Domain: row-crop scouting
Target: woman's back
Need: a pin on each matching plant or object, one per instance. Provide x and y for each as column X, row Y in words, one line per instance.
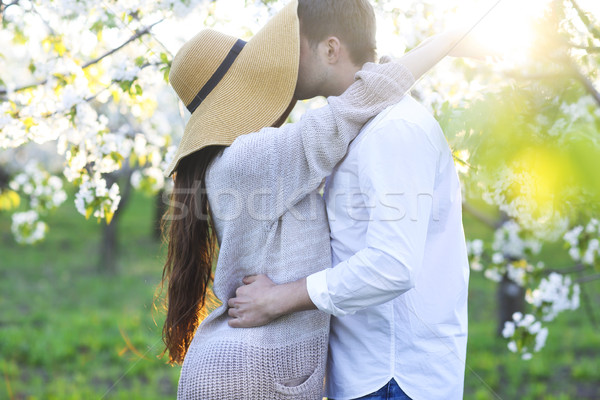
column 284, row 359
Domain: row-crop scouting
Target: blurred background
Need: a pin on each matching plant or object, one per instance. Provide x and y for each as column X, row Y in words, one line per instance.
column 88, row 123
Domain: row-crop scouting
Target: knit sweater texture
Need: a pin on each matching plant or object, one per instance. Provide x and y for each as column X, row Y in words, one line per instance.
column 270, row 219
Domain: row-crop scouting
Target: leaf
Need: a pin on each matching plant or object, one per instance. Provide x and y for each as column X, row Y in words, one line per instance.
column 72, row 114
column 60, row 48
column 125, row 85
column 54, row 42
column 9, row 199
column 118, row 158
column 109, row 215
column 19, row 36
column 97, row 27
column 29, row 122
column 88, row 212
column 116, row 94
column 164, row 58
column 62, row 79
column 166, row 70
column 142, row 160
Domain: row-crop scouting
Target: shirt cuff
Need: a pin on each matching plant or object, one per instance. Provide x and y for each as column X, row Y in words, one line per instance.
column 316, row 285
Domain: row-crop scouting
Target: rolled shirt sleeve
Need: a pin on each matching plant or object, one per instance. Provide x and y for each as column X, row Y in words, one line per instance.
column 397, row 172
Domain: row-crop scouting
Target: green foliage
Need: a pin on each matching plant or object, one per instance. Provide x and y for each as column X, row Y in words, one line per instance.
column 525, row 126
column 166, row 68
column 19, row 37
column 131, row 87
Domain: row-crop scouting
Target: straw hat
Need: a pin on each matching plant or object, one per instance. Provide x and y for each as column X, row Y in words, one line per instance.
column 233, row 88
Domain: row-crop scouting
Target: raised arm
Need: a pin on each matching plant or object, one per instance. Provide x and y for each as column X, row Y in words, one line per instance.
column 283, row 165
column 455, row 43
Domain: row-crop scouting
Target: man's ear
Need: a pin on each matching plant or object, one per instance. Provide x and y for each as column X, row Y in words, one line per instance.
column 334, row 49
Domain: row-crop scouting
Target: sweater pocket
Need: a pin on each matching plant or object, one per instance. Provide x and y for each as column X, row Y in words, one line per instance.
column 304, row 385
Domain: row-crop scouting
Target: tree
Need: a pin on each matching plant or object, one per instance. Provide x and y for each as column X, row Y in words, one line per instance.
column 92, row 79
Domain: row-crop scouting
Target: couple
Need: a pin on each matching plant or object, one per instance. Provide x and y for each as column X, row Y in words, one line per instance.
column 369, row 280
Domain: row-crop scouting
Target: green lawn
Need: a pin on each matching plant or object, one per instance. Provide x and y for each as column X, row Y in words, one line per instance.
column 68, row 332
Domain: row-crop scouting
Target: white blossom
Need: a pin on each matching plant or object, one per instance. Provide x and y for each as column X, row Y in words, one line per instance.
column 584, row 242
column 493, row 274
column 27, row 228
column 497, row 258
column 555, row 294
column 508, row 241
column 475, row 247
column 527, row 356
column 540, row 339
column 94, row 199
column 44, row 191
column 517, row 316
column 509, row 329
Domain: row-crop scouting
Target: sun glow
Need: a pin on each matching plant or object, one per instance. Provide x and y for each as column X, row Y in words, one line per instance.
column 506, row 27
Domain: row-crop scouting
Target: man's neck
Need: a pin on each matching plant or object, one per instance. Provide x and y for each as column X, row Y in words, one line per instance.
column 345, row 78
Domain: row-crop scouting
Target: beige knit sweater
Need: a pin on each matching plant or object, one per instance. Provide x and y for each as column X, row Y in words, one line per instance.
column 269, row 219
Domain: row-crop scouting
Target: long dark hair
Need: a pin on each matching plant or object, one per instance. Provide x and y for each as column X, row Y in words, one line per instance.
column 191, row 250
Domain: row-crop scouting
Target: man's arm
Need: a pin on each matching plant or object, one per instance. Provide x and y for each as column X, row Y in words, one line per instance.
column 397, row 174
column 261, row 301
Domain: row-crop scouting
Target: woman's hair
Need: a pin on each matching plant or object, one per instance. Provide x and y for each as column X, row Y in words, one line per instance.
column 191, row 248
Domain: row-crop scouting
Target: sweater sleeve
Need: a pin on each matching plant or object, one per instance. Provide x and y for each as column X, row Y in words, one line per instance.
column 276, row 167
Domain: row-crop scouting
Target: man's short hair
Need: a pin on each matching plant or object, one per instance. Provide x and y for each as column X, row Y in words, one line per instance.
column 351, row 21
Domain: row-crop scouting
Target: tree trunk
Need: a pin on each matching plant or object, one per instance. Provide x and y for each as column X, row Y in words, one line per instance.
column 109, row 245
column 4, row 178
column 107, row 261
column 511, row 298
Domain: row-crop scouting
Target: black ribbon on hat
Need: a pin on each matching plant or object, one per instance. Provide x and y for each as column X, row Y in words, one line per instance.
column 217, row 76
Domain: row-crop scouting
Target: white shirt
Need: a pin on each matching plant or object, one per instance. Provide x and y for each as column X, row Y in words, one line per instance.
column 398, row 287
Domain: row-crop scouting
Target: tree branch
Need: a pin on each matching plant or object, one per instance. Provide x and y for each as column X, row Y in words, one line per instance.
column 589, row 86
column 538, row 76
column 139, row 33
column 589, row 278
column 485, row 219
column 564, row 271
column 595, row 31
column 587, row 304
column 589, row 49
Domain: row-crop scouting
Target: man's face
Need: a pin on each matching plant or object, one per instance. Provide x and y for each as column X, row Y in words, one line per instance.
column 312, row 72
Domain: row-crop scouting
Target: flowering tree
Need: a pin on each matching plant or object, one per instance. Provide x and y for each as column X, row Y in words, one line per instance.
column 92, row 85
column 529, row 148
column 89, row 77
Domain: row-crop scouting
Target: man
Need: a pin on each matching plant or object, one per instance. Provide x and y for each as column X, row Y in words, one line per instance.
column 397, row 289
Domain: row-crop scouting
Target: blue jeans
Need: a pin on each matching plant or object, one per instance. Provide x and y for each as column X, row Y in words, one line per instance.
column 391, row 391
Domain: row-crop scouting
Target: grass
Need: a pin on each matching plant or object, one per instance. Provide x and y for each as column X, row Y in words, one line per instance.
column 70, row 332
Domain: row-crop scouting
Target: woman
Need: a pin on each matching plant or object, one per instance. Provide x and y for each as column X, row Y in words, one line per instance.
column 260, row 191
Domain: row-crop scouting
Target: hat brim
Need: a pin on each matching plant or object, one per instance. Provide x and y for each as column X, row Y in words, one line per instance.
column 255, row 92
